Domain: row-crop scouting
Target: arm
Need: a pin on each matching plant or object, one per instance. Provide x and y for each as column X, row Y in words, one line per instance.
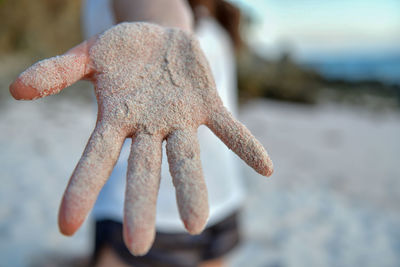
column 169, row 13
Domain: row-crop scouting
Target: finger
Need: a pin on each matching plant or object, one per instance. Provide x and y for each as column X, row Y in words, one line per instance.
column 143, row 179
column 238, row 138
column 51, row 75
column 191, row 192
column 89, row 176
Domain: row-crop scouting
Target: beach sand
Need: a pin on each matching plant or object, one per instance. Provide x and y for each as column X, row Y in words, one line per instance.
column 332, row 200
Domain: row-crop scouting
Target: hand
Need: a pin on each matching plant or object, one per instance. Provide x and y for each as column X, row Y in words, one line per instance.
column 152, row 84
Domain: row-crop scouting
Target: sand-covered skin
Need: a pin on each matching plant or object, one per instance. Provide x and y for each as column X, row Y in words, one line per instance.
column 152, row 83
column 63, row 70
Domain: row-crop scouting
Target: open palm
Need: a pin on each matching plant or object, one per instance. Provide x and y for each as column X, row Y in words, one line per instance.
column 152, row 84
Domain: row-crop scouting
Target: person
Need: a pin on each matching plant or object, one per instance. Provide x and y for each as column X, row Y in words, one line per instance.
column 219, row 164
column 106, row 60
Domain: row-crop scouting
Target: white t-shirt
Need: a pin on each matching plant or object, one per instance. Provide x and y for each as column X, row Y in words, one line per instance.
column 220, row 165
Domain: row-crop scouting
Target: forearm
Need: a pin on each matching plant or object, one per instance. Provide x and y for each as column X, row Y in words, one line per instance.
column 170, row 13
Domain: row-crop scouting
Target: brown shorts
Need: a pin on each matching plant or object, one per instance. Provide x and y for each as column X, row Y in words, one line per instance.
column 178, row 250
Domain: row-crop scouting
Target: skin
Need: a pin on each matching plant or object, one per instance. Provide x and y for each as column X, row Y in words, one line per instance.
column 152, row 83
column 169, row 13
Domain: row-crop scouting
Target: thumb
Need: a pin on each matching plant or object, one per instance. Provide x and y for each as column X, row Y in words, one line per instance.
column 51, row 75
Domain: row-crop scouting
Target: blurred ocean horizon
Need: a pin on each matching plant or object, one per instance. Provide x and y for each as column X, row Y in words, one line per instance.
column 350, row 40
column 383, row 67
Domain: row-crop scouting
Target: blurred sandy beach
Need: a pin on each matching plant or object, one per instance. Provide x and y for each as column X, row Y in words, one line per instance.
column 334, row 134
column 332, row 201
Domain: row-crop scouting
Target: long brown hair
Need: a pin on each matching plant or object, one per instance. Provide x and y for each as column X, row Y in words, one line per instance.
column 225, row 13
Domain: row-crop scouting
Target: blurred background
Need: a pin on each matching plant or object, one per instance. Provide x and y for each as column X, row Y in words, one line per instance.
column 319, row 86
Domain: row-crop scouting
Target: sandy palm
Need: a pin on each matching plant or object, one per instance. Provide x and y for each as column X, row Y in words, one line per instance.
column 152, row 84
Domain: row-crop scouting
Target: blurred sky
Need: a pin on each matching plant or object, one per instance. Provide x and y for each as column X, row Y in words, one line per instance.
column 313, row 28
